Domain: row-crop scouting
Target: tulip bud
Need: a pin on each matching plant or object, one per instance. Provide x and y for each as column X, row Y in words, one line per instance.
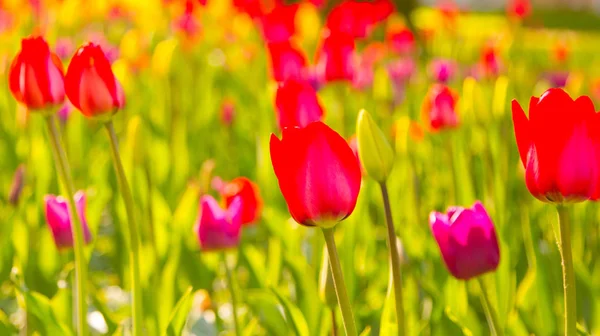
column 375, row 152
column 60, row 221
column 17, row 185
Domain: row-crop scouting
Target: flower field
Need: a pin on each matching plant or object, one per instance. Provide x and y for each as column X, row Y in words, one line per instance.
column 270, row 167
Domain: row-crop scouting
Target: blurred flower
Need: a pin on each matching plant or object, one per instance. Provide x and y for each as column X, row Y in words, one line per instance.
column 442, row 70
column 278, row 25
column 401, row 41
column 227, row 112
column 318, row 174
column 297, row 104
column 91, row 85
column 188, row 25
column 336, row 57
column 363, row 73
column 218, row 228
column 518, row 9
column 557, row 79
column 400, row 72
column 64, row 48
column 356, row 18
column 249, row 194
column 287, row 61
column 376, row 153
column 59, row 219
column 6, row 20
column 449, row 12
column 439, row 107
column 489, row 63
column 17, row 185
column 467, row 240
column 65, row 111
column 559, row 146
column 36, row 75
column 253, row 8
column 560, row 52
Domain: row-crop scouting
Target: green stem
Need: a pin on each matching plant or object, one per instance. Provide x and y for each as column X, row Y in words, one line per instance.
column 64, row 172
column 490, row 313
column 395, row 259
column 450, row 150
column 564, row 245
column 236, row 322
column 339, row 284
column 134, row 240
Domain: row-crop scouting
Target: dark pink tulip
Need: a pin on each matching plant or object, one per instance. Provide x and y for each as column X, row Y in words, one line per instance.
column 467, row 240
column 318, row 174
column 287, row 61
column 219, row 228
column 401, row 41
column 357, row 18
column 59, row 220
column 337, row 57
column 227, row 112
column 297, row 104
column 439, row 108
column 363, row 74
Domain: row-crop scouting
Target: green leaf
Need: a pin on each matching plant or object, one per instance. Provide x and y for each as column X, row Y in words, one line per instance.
column 179, row 314
column 294, row 315
column 40, row 307
column 265, row 306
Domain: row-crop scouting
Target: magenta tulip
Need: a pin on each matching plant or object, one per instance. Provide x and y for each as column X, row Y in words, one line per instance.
column 219, row 228
column 59, row 220
column 467, row 240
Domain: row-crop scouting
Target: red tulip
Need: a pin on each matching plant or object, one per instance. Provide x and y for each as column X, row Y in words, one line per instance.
column 519, row 8
column 559, row 146
column 357, row 18
column 218, row 228
column 36, row 75
column 247, row 191
column 279, row 24
column 337, row 57
column 439, row 107
column 318, row 174
column 251, row 7
column 297, row 104
column 490, row 62
column 287, row 61
column 467, row 240
column 91, row 85
column 401, row 40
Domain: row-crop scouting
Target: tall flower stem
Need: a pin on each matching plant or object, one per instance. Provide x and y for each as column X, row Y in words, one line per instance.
column 134, row 237
column 236, row 323
column 395, row 259
column 339, row 284
column 64, row 172
column 564, row 246
column 490, row 313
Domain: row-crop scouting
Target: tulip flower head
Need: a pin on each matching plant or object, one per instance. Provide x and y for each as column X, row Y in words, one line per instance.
column 401, row 41
column 287, row 61
column 336, row 57
column 318, row 174
column 559, row 146
column 218, row 228
column 357, row 18
column 297, row 104
column 227, row 112
column 467, row 240
column 439, row 108
column 518, row 9
column 36, row 77
column 91, row 85
column 278, row 25
column 376, row 153
column 442, row 70
column 59, row 219
column 249, row 195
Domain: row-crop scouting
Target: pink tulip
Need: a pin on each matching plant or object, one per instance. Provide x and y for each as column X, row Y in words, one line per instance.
column 442, row 70
column 439, row 108
column 59, row 220
column 297, row 104
column 467, row 240
column 219, row 228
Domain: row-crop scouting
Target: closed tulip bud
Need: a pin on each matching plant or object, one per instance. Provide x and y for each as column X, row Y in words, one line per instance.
column 248, row 192
column 318, row 174
column 17, row 185
column 375, row 152
column 467, row 240
column 91, row 84
column 36, row 75
column 60, row 221
column 218, row 228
